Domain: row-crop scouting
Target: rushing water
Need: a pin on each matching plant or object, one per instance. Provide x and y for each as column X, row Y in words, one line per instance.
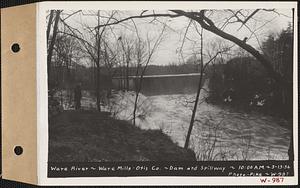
column 218, row 134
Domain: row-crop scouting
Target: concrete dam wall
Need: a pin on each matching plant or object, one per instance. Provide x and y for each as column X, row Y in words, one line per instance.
column 162, row 84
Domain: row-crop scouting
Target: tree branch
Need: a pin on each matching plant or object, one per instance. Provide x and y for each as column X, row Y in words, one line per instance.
column 207, row 24
column 140, row 16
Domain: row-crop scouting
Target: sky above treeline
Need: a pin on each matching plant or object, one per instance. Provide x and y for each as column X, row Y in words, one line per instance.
column 172, row 49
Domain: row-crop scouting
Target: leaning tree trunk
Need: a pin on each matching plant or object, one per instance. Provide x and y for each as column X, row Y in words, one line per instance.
column 186, row 145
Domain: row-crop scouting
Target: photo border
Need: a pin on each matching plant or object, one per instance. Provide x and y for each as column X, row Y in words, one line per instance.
column 42, row 96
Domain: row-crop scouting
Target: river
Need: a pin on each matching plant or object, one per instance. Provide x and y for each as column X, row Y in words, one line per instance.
column 218, row 133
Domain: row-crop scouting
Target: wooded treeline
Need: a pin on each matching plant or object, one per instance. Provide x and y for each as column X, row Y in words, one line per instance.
column 247, row 83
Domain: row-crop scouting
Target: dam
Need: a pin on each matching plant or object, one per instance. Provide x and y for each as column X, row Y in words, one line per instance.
column 161, row 84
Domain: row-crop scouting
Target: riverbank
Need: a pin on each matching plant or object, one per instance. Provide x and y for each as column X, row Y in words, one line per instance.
column 89, row 136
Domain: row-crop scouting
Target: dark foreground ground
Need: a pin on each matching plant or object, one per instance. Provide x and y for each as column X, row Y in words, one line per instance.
column 88, row 136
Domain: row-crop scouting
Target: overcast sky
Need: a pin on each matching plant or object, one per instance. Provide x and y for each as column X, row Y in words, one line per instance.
column 169, row 49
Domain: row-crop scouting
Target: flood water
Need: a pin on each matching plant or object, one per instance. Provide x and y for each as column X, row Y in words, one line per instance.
column 218, row 134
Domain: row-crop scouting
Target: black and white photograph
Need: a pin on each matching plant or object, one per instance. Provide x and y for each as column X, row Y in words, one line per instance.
column 170, row 85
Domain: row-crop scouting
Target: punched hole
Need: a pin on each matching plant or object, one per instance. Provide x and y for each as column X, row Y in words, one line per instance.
column 18, row 150
column 15, row 47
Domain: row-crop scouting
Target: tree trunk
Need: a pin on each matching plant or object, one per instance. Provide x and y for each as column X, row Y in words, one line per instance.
column 98, row 88
column 49, row 24
column 52, row 42
column 186, row 145
column 137, row 86
column 127, row 71
column 98, row 67
column 135, row 106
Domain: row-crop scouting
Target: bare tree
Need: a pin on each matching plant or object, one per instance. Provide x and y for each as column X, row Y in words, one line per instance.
column 202, row 68
column 110, row 60
column 143, row 62
column 92, row 46
column 97, row 62
column 127, row 48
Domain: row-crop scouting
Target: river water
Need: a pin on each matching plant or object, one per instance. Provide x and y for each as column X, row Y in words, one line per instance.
column 218, row 133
